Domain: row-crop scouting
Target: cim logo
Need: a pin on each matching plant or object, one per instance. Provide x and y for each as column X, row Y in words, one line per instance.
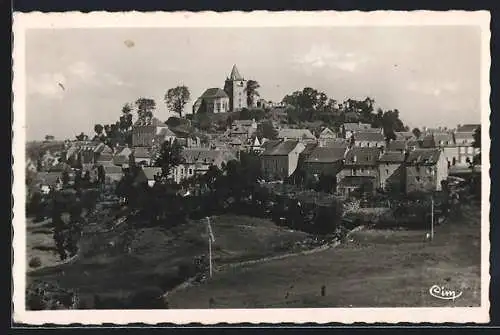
column 443, row 293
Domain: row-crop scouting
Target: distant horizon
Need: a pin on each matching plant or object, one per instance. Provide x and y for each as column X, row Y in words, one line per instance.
column 430, row 74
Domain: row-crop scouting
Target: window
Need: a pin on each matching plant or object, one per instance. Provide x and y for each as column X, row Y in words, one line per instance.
column 361, row 170
column 354, row 172
column 190, row 171
column 417, row 179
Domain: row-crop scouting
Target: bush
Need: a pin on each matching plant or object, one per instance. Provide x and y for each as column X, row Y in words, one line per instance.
column 35, row 262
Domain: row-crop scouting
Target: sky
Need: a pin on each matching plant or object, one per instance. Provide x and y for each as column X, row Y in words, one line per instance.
column 430, row 74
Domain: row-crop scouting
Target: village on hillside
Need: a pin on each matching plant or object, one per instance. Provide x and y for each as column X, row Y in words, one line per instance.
column 123, row 217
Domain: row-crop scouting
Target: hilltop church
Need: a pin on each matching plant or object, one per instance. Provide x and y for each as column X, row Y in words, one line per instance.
column 230, row 99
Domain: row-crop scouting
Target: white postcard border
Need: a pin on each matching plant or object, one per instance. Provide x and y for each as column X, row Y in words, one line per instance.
column 37, row 20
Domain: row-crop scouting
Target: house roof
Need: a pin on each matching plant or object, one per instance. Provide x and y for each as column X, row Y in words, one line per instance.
column 468, row 128
column 327, row 132
column 362, row 156
column 206, row 156
column 404, row 135
column 355, row 126
column 464, row 135
column 214, row 92
column 356, row 181
column 282, row 149
column 423, row 156
column 438, row 139
column 125, row 152
column 120, row 160
column 412, row 143
column 326, row 155
column 397, row 145
column 369, row 136
column 335, row 143
column 309, row 148
column 295, row 133
column 103, row 148
column 243, row 123
column 373, row 130
column 235, row 74
column 165, row 131
column 151, row 172
column 111, row 169
column 392, row 157
column 142, row 152
column 47, row 178
column 269, row 144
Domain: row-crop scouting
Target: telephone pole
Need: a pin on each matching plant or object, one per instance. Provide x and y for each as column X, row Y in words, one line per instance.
column 432, row 218
column 211, row 239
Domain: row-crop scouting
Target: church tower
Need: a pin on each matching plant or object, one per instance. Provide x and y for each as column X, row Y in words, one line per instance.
column 235, row 88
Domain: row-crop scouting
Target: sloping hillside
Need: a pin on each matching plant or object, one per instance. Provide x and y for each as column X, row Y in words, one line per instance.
column 377, row 268
column 126, row 260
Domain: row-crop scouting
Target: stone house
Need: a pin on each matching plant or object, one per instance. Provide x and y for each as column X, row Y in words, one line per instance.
column 143, row 156
column 197, row 161
column 425, row 169
column 391, row 171
column 280, row 161
column 369, row 139
column 400, row 146
column 444, row 141
column 144, row 132
column 361, row 161
column 326, row 161
column 113, row 173
column 464, row 139
column 350, row 128
column 301, row 135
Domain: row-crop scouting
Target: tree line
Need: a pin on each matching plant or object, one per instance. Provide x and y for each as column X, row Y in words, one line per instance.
column 310, row 105
column 120, row 132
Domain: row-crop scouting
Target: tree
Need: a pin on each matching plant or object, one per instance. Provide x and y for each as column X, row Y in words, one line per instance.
column 101, row 174
column 145, row 108
column 477, row 138
column 170, row 157
column 416, row 132
column 251, row 89
column 391, row 123
column 266, row 130
column 98, row 128
column 125, row 122
column 65, row 178
column 81, row 137
column 176, row 98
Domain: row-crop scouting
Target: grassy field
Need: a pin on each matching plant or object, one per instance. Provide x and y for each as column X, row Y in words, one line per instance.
column 378, row 268
column 118, row 263
column 40, row 243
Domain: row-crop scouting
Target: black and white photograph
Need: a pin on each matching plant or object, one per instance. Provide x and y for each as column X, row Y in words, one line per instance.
column 251, row 167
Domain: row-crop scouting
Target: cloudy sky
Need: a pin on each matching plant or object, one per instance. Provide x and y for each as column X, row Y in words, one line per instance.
column 430, row 74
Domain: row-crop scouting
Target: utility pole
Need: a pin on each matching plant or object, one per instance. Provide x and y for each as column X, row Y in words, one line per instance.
column 432, row 218
column 211, row 239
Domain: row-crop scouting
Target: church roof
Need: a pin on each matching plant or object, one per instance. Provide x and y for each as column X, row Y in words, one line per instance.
column 214, row 93
column 235, row 74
